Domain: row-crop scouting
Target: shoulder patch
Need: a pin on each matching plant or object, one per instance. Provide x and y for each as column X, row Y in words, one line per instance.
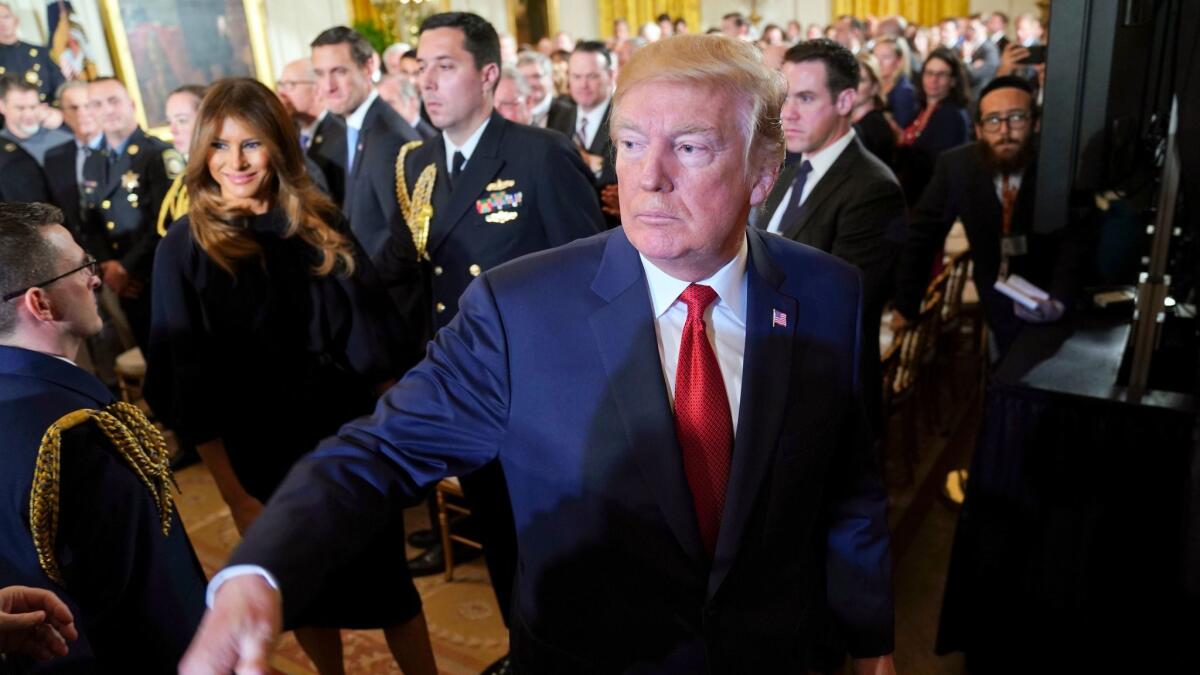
column 173, row 163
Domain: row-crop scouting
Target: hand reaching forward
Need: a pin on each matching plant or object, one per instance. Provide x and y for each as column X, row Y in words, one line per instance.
column 34, row 622
column 239, row 632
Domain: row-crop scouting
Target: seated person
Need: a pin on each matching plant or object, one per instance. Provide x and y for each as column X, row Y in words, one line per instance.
column 86, row 492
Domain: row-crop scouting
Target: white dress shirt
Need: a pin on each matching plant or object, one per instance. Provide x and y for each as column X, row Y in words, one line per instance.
column 467, row 148
column 724, row 322
column 820, row 166
column 594, row 117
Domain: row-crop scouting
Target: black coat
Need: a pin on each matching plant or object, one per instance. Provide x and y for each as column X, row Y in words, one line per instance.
column 538, row 169
column 136, row 594
column 857, row 213
column 602, row 145
column 962, row 188
column 561, row 115
column 948, row 127
column 64, row 184
column 33, row 64
column 21, row 179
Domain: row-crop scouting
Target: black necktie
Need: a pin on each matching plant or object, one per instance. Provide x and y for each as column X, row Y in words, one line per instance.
column 794, row 210
column 456, row 167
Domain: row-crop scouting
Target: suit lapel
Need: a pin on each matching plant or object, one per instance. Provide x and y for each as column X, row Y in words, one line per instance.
column 628, row 346
column 599, row 144
column 769, row 350
column 839, row 172
column 481, row 168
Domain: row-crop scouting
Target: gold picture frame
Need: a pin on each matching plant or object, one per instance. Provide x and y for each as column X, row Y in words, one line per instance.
column 149, row 80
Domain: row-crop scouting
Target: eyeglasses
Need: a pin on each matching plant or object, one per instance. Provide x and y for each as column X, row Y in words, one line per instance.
column 288, row 85
column 1016, row 121
column 91, row 265
column 940, row 74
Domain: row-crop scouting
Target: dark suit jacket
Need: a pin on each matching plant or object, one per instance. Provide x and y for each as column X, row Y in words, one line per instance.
column 64, row 186
column 21, row 179
column 327, row 150
column 370, row 192
column 137, row 595
column 857, row 213
column 949, row 127
column 538, row 170
column 962, row 188
column 602, row 145
column 425, row 130
column 561, row 116
column 552, row 365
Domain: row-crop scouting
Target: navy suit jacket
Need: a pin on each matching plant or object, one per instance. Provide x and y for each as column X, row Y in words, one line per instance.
column 137, row 596
column 552, row 365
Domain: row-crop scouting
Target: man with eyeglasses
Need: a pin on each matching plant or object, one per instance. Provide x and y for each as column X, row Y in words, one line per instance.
column 990, row 185
column 85, row 495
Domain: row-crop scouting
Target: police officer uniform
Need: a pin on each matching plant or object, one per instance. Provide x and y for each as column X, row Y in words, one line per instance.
column 87, row 512
column 123, row 190
column 34, row 65
column 522, row 190
column 21, row 179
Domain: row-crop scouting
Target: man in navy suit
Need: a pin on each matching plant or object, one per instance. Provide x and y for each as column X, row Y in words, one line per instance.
column 676, row 407
column 81, row 514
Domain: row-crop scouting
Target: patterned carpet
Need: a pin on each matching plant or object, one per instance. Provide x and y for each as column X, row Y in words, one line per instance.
column 464, row 624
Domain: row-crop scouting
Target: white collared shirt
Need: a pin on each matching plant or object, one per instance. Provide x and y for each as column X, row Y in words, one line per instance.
column 467, row 149
column 820, row 166
column 1014, row 182
column 355, row 119
column 724, row 322
column 595, row 118
column 541, row 111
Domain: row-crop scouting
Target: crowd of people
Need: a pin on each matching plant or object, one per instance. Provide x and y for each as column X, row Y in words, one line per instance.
column 338, row 259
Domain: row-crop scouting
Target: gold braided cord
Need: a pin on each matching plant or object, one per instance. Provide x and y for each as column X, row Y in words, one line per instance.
column 417, row 209
column 174, row 206
column 136, row 441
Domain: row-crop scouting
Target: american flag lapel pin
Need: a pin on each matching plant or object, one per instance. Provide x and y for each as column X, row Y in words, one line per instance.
column 778, row 318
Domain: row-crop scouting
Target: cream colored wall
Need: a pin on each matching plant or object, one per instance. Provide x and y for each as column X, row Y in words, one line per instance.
column 32, row 27
column 289, row 30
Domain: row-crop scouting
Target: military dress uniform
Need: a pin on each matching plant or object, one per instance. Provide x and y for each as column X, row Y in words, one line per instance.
column 123, row 190
column 522, row 190
column 34, row 65
column 86, row 511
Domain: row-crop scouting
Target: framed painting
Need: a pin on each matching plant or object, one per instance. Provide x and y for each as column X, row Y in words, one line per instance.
column 158, row 45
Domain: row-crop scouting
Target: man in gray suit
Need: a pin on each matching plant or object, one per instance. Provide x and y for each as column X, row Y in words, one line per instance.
column 839, row 197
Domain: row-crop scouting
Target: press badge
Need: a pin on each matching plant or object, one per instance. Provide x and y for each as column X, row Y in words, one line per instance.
column 1014, row 245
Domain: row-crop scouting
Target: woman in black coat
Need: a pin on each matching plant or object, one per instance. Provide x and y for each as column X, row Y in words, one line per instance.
column 943, row 122
column 870, row 121
column 270, row 329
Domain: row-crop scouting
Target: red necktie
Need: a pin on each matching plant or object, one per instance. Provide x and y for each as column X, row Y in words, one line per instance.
column 702, row 420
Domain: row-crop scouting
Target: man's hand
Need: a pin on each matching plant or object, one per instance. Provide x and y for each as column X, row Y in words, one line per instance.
column 609, row 200
column 114, row 276
column 1012, row 57
column 595, row 163
column 239, row 632
column 879, row 665
column 244, row 512
column 35, row 623
column 1047, row 311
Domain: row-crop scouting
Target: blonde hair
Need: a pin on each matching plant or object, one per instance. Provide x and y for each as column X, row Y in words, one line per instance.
column 903, row 55
column 218, row 229
column 720, row 63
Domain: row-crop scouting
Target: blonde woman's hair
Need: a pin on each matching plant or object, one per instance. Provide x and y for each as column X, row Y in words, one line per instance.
column 217, row 228
column 721, row 64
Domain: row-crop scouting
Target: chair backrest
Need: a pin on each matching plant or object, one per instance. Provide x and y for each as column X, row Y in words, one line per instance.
column 913, row 344
column 958, row 271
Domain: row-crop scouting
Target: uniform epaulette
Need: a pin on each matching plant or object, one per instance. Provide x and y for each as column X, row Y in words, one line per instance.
column 173, row 163
column 174, row 205
column 417, row 209
column 136, row 441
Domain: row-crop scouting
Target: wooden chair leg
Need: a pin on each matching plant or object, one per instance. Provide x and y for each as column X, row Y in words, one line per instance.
column 447, row 545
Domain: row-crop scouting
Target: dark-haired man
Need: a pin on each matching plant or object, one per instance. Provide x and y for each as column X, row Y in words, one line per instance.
column 839, row 197
column 23, row 119
column 500, row 191
column 364, row 151
column 85, row 495
column 989, row 185
column 123, row 189
column 591, row 74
